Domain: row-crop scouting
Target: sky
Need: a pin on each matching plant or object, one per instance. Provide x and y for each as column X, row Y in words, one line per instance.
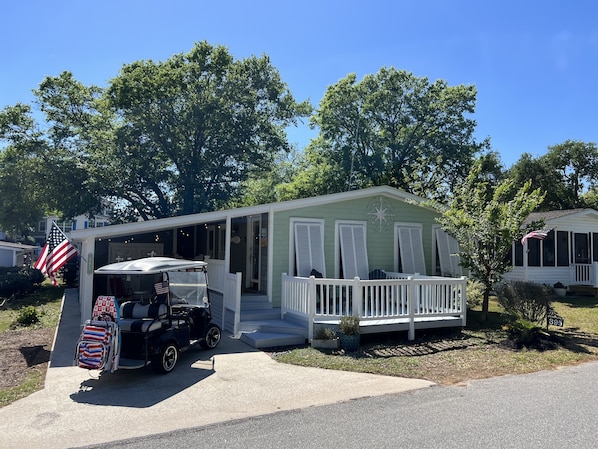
column 534, row 63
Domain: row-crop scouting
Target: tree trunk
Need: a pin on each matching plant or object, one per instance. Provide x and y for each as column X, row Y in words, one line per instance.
column 485, row 304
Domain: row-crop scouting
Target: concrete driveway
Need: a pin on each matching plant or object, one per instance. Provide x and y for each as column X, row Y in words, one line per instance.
column 78, row 408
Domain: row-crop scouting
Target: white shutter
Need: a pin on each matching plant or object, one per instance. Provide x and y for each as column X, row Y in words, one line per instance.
column 411, row 250
column 448, row 254
column 309, row 248
column 353, row 251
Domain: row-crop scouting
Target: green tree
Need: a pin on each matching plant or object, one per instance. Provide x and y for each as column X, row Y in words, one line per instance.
column 191, row 129
column 568, row 173
column 542, row 176
column 576, row 163
column 22, row 176
column 486, row 217
column 398, row 129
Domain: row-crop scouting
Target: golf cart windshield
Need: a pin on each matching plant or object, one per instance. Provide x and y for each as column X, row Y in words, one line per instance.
column 188, row 287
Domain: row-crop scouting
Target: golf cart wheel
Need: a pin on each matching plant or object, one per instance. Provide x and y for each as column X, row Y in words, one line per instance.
column 213, row 336
column 165, row 362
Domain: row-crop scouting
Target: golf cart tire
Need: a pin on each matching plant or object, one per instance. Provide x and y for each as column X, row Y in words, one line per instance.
column 213, row 336
column 165, row 362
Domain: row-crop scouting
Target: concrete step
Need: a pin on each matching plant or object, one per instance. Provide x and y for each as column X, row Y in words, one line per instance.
column 255, row 302
column 271, row 340
column 275, row 326
column 257, row 315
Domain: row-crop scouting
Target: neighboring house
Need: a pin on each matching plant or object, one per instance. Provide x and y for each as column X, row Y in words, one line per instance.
column 569, row 254
column 338, row 236
column 80, row 222
column 15, row 254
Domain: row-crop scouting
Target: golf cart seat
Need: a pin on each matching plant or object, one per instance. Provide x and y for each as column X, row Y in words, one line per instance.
column 137, row 317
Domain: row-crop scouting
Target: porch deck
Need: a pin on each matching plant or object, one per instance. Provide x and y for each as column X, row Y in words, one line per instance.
column 400, row 302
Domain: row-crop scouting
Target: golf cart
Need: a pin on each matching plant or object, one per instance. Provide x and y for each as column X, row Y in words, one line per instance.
column 164, row 310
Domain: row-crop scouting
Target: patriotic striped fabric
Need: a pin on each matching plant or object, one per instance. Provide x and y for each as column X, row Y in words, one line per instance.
column 161, row 288
column 539, row 234
column 55, row 253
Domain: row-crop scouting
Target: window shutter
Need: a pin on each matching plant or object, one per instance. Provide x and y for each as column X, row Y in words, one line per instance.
column 353, row 251
column 411, row 250
column 309, row 248
column 448, row 253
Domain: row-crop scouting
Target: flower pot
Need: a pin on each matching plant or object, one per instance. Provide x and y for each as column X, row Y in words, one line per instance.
column 325, row 344
column 350, row 343
column 561, row 292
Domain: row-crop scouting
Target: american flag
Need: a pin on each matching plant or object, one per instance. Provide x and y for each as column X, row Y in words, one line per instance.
column 161, row 288
column 539, row 234
column 55, row 253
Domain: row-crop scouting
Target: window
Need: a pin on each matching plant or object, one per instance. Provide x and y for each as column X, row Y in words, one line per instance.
column 411, row 249
column 518, row 254
column 533, row 252
column 447, row 250
column 582, row 252
column 353, row 250
column 41, row 226
column 548, row 250
column 562, row 249
column 308, row 240
column 216, row 235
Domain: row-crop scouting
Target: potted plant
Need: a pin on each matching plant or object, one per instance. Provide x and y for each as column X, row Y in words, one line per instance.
column 560, row 289
column 349, row 333
column 325, row 338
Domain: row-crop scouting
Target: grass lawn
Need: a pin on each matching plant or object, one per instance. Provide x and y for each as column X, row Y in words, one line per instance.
column 451, row 356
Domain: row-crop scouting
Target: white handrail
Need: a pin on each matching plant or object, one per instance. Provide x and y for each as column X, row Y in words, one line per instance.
column 410, row 298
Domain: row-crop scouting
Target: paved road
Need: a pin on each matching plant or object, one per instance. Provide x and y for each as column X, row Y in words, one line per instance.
column 550, row 409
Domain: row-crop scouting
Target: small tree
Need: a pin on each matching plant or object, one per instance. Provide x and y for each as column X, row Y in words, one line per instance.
column 485, row 217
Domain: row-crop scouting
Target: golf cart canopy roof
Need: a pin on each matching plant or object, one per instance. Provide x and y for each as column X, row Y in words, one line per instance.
column 150, row 265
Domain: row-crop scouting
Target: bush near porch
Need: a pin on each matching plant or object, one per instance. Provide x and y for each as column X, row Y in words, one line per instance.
column 480, row 350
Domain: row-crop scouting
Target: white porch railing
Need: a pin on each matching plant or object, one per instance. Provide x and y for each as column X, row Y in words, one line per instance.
column 586, row 274
column 410, row 299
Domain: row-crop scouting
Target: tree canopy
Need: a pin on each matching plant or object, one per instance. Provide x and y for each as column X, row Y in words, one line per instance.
column 397, row 129
column 191, row 129
column 163, row 138
column 568, row 173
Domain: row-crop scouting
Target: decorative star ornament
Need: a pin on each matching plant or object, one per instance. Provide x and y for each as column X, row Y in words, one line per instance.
column 380, row 214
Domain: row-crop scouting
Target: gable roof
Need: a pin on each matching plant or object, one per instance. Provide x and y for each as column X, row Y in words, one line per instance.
column 192, row 219
column 547, row 216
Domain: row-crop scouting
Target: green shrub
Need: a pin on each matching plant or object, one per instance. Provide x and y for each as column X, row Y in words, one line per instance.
column 19, row 280
column 28, row 316
column 525, row 300
column 475, row 293
column 325, row 333
column 349, row 325
column 525, row 333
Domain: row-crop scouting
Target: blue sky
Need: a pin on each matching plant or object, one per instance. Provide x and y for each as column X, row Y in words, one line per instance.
column 534, row 63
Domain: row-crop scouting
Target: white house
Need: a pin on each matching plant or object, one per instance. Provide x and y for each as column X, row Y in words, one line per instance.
column 569, row 254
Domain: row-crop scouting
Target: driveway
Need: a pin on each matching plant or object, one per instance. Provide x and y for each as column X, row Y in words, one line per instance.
column 77, row 407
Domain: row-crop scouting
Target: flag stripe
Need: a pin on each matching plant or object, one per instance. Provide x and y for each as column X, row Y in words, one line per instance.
column 56, row 252
column 539, row 234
